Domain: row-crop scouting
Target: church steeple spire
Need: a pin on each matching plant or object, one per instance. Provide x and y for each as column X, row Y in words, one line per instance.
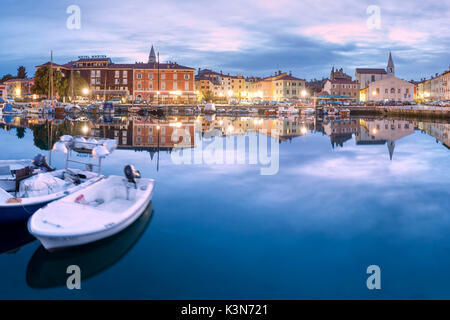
column 152, row 56
column 390, row 67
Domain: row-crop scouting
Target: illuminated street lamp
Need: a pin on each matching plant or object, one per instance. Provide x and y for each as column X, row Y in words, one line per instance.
column 85, row 91
column 304, row 93
column 18, row 91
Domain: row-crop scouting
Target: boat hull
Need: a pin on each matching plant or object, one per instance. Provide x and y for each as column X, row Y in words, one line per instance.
column 19, row 213
column 59, row 243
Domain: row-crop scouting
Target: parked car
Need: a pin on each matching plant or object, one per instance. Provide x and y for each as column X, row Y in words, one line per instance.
column 115, row 101
column 81, row 100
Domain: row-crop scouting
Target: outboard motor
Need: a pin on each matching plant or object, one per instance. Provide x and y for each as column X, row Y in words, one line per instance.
column 40, row 161
column 131, row 174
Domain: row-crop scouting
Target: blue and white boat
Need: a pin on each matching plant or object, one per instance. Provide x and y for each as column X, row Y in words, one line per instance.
column 34, row 190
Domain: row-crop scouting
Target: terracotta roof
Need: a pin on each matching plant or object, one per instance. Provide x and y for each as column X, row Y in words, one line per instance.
column 162, row 66
column 93, row 59
column 289, row 77
column 19, row 80
column 370, row 71
column 343, row 81
column 48, row 63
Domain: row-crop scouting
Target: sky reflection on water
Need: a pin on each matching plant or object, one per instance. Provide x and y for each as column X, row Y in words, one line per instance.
column 310, row 231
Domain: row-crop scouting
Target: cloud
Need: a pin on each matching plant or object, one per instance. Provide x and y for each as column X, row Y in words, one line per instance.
column 249, row 36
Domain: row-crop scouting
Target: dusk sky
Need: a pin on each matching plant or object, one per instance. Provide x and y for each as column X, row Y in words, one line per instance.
column 252, row 37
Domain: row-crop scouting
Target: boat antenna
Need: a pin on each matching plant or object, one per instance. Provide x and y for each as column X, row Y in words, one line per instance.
column 51, row 78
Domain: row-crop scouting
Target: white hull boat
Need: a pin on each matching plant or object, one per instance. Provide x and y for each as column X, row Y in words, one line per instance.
column 7, row 169
column 96, row 212
column 38, row 190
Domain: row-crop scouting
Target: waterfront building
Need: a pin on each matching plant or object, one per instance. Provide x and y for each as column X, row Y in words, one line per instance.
column 436, row 88
column 339, row 74
column 446, row 85
column 280, row 87
column 163, row 82
column 222, row 85
column 18, row 88
column 3, row 94
column 341, row 84
column 424, row 90
column 365, row 76
column 389, row 89
column 151, row 81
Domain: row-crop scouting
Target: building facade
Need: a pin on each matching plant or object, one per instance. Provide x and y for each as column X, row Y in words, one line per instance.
column 163, row 83
column 390, row 89
column 280, row 87
column 18, row 88
column 365, row 76
column 151, row 81
column 342, row 87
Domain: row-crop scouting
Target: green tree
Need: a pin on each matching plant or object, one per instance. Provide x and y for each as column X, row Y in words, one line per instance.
column 7, row 77
column 61, row 83
column 42, row 81
column 208, row 96
column 20, row 132
column 21, row 72
column 78, row 85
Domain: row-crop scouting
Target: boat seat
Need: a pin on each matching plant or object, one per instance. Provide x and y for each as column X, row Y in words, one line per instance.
column 22, row 174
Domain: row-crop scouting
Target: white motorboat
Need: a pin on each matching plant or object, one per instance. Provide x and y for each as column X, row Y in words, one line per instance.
column 33, row 190
column 7, row 172
column 96, row 212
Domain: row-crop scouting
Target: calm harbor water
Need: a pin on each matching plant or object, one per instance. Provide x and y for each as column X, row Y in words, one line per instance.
column 348, row 193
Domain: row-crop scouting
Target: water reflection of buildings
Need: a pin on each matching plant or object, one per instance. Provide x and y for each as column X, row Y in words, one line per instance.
column 340, row 130
column 441, row 131
column 144, row 134
column 383, row 131
column 153, row 135
column 283, row 129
